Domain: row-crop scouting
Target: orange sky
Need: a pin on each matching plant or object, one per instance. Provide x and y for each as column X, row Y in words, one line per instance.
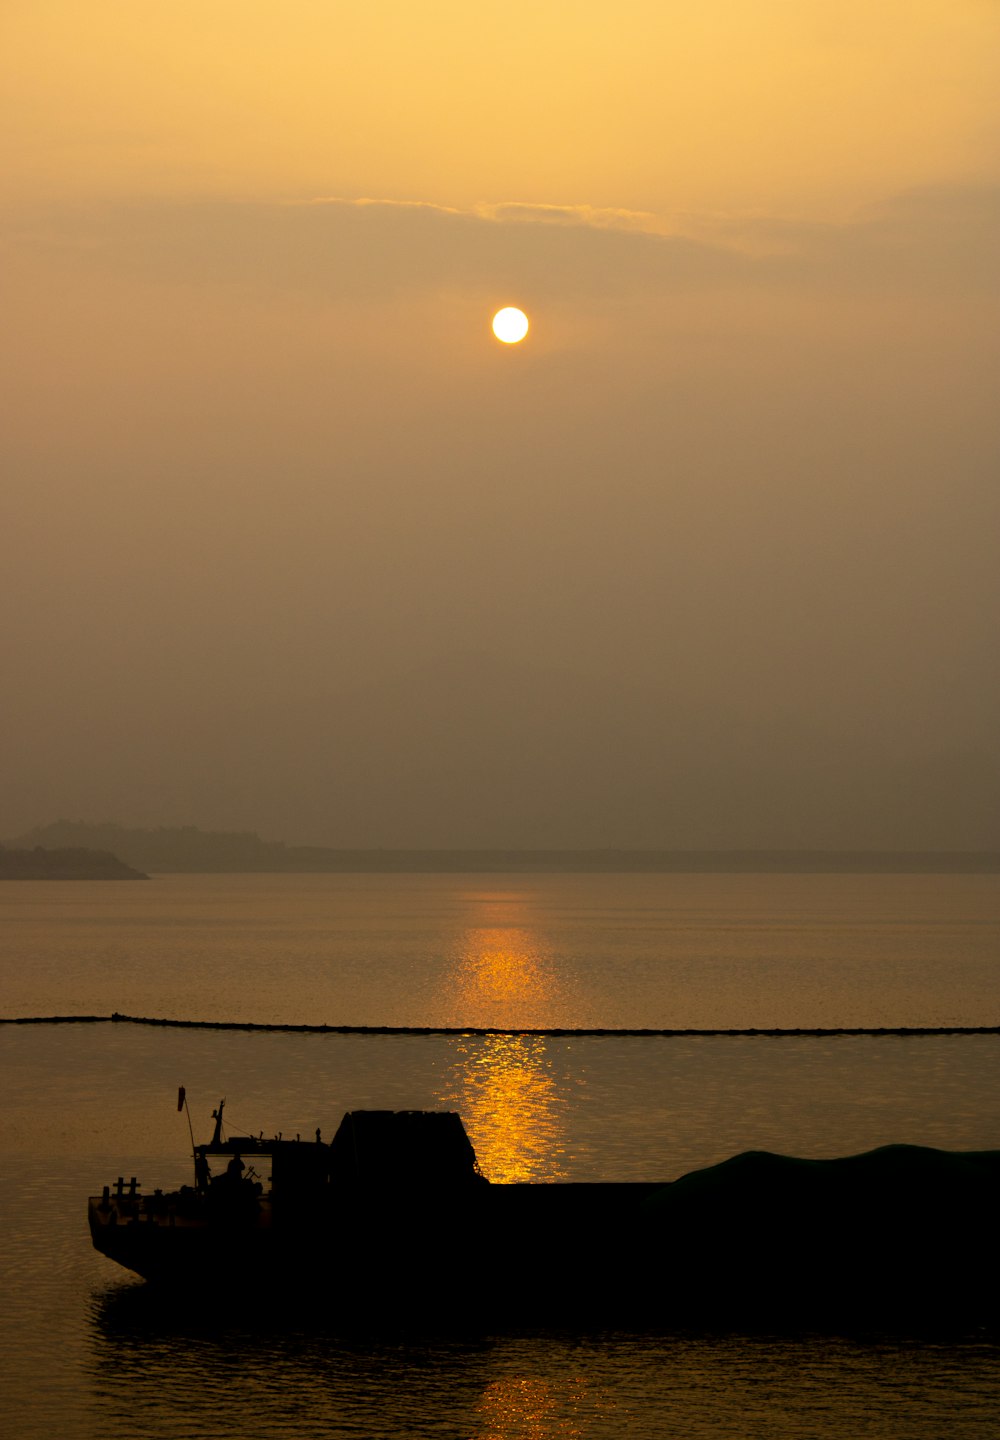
column 784, row 105
column 287, row 541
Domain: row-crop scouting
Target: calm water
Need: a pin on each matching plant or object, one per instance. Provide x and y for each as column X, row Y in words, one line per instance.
column 86, row 1352
column 669, row 951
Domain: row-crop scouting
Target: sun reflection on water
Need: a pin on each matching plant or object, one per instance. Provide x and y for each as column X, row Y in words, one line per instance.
column 503, row 1088
column 504, row 979
column 503, row 1085
column 528, row 1407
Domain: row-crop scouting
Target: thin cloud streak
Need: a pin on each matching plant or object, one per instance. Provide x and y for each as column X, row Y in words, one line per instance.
column 945, row 238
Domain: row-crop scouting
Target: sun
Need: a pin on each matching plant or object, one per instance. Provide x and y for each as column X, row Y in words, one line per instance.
column 510, row 325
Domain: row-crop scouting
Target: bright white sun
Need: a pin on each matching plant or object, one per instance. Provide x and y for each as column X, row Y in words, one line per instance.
column 510, row 325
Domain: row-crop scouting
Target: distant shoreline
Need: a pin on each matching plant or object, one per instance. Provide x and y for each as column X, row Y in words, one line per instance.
column 186, row 850
column 638, row 862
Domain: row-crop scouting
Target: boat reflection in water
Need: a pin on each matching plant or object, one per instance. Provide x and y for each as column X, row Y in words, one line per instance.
column 156, row 1367
column 159, row 1365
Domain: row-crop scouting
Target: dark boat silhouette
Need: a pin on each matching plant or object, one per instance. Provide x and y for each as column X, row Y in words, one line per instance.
column 394, row 1217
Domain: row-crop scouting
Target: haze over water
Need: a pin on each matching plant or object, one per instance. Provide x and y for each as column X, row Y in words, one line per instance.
column 595, row 951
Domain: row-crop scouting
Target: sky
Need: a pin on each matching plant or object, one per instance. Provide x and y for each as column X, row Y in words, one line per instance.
column 289, row 542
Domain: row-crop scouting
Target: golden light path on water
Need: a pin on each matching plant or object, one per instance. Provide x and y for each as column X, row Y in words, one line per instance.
column 530, row 1406
column 503, row 1085
column 504, row 979
column 512, row 1108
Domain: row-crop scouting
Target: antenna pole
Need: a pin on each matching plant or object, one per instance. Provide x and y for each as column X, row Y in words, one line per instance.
column 182, row 1104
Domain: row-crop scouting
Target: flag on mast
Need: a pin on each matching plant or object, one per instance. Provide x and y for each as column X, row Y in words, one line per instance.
column 180, row 1098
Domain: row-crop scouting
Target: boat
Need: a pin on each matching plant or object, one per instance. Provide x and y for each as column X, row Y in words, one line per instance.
column 394, row 1216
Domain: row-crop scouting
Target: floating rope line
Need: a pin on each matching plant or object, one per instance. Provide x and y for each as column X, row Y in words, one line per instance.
column 554, row 1032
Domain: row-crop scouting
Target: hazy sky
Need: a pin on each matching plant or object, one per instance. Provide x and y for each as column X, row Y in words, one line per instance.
column 289, row 542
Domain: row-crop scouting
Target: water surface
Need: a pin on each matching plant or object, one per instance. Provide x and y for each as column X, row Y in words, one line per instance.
column 661, row 951
column 90, row 1354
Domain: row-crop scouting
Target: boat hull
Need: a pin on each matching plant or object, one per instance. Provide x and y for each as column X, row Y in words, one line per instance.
column 903, row 1235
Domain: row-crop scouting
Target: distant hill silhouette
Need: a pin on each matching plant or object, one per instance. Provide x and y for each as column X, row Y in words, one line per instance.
column 168, row 848
column 64, row 863
column 187, row 849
